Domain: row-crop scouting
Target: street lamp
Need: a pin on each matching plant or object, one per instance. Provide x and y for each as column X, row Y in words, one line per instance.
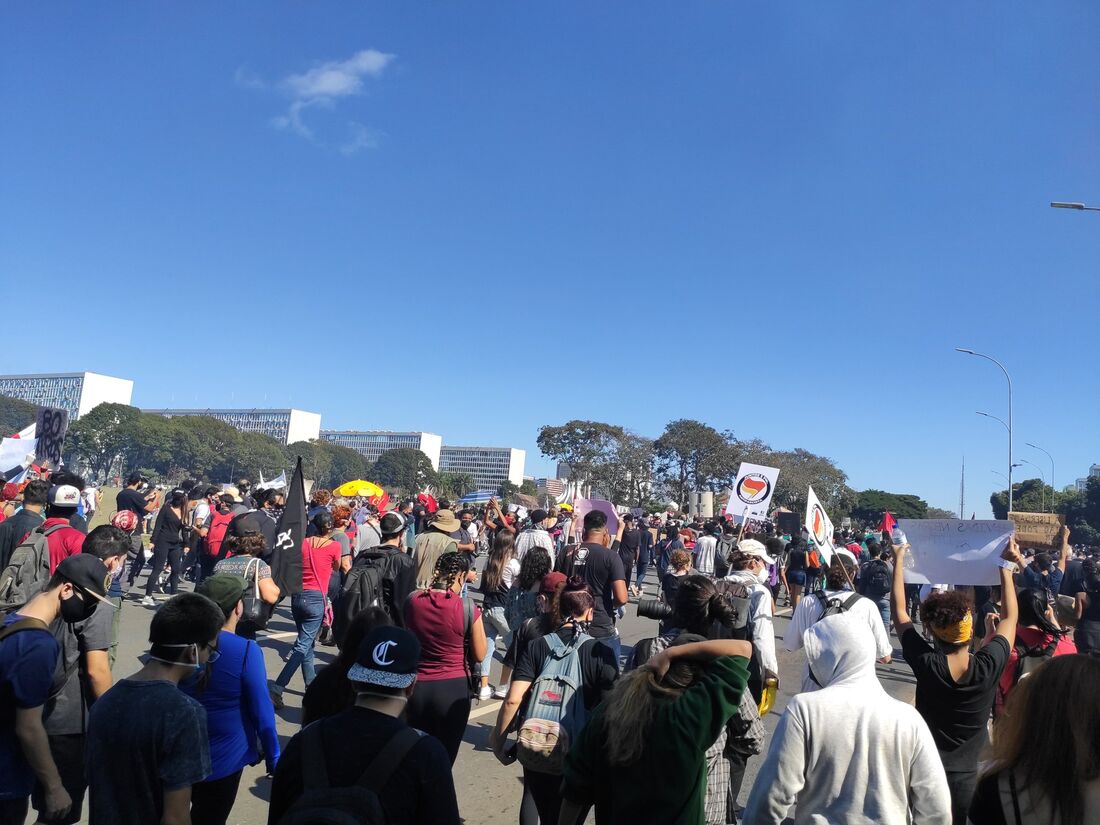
column 1008, row 426
column 1052, row 488
column 1042, row 475
column 1080, row 207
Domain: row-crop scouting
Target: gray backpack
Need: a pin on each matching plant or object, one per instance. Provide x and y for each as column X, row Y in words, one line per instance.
column 28, row 570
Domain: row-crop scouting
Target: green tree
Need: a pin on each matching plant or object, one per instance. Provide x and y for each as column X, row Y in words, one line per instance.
column 586, row 446
column 871, row 504
column 939, row 512
column 798, row 470
column 626, row 477
column 101, row 439
column 529, row 488
column 691, row 455
column 454, row 485
column 1030, row 496
column 15, row 414
column 506, row 490
column 405, row 469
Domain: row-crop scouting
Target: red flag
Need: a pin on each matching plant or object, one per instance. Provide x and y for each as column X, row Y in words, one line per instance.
column 888, row 523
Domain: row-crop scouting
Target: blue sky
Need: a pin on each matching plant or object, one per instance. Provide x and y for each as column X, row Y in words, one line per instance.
column 475, row 219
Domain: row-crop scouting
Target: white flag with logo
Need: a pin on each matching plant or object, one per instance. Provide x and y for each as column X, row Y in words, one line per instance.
column 752, row 492
column 819, row 527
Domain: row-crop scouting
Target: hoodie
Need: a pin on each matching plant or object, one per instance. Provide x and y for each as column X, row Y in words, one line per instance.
column 849, row 752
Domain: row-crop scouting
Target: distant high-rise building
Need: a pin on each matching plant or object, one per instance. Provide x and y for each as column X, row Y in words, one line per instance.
column 553, row 487
column 75, row 392
column 287, row 426
column 488, row 466
column 372, row 443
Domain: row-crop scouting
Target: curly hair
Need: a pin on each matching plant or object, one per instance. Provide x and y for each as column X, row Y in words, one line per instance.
column 320, row 498
column 679, row 559
column 534, row 566
column 944, row 609
column 250, row 544
column 341, row 515
column 447, row 567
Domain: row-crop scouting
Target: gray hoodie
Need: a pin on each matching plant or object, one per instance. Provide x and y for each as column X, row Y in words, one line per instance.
column 849, row 752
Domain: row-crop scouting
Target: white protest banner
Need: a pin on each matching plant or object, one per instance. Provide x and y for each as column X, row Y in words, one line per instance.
column 752, row 492
column 50, row 431
column 820, row 527
column 954, row 551
column 17, row 453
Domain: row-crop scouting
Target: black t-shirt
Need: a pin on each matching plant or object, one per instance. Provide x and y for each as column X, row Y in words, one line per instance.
column 599, row 670
column 420, row 791
column 956, row 712
column 244, row 523
column 599, row 567
column 530, row 630
column 133, row 501
column 628, row 547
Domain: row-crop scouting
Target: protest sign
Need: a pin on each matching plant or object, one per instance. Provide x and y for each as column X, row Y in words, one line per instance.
column 50, row 429
column 820, row 527
column 583, row 506
column 954, row 551
column 16, row 454
column 752, row 492
column 1038, row 531
column 788, row 523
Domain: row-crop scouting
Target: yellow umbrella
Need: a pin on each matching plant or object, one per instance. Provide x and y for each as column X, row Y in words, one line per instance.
column 366, row 489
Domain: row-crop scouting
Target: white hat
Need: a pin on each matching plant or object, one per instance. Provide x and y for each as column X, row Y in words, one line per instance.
column 64, row 495
column 751, row 547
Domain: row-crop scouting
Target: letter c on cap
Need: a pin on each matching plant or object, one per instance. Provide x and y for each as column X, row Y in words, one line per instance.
column 380, row 651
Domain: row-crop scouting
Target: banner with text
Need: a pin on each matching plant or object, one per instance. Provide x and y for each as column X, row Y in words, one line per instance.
column 50, row 429
column 1038, row 531
column 820, row 527
column 752, row 492
column 954, row 551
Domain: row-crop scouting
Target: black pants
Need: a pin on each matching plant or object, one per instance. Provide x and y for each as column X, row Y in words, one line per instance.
column 545, row 790
column 212, row 801
column 172, row 555
column 138, row 561
column 737, row 763
column 442, row 709
column 961, row 785
column 67, row 751
column 13, row 811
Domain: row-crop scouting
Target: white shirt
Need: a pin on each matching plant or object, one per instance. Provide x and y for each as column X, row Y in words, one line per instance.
column 201, row 513
column 511, row 570
column 761, row 618
column 705, row 548
column 534, row 537
column 809, row 611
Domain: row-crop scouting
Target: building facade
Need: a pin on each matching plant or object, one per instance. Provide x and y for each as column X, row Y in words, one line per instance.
column 287, row 426
column 488, row 466
column 372, row 443
column 75, row 392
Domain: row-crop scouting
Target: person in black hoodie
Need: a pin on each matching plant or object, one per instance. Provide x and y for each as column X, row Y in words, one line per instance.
column 385, row 568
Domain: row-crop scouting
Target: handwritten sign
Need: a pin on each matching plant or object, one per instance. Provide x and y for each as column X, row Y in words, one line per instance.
column 954, row 551
column 1040, row 531
column 50, row 431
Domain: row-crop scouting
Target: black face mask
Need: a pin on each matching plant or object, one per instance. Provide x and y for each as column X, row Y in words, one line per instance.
column 77, row 608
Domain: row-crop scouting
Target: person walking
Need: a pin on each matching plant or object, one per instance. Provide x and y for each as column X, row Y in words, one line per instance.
column 167, row 542
column 500, row 572
column 240, row 720
column 320, row 557
column 244, row 562
column 446, row 625
column 1087, row 633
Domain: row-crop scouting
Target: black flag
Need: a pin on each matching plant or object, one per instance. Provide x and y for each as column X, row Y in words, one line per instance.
column 290, row 532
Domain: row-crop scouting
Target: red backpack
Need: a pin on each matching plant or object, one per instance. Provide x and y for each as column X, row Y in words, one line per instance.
column 215, row 535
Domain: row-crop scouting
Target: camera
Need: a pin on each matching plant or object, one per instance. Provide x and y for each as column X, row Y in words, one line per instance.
column 655, row 609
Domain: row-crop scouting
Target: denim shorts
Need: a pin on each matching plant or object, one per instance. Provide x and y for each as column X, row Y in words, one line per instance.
column 797, row 577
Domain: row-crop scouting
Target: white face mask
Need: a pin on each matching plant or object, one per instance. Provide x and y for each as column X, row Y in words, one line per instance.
column 762, row 575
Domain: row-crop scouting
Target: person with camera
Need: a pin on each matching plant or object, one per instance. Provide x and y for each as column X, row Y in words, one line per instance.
column 749, row 567
column 169, row 536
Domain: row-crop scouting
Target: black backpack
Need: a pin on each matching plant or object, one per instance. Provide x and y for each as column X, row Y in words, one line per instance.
column 358, row 804
column 875, row 579
column 365, row 586
column 834, row 604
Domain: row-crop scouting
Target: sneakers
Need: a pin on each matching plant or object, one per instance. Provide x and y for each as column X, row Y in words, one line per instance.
column 485, row 693
column 501, row 692
column 148, row 602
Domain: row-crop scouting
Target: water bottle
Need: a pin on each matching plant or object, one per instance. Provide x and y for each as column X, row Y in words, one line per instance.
column 767, row 697
column 897, row 537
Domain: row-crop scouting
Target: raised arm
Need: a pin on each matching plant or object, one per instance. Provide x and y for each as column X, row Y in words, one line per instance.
column 902, row 620
column 1010, row 611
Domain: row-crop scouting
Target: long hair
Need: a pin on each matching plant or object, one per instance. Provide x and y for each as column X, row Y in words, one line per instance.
column 1033, row 611
column 534, row 566
column 635, row 701
column 699, row 605
column 1049, row 734
column 499, row 557
column 1091, row 570
column 448, row 566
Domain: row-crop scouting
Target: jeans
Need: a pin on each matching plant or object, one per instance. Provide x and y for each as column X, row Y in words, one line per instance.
column 494, row 622
column 172, row 555
column 883, row 605
column 616, row 645
column 642, row 569
column 308, row 610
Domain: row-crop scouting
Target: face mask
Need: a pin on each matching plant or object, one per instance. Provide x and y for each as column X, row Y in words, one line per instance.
column 762, row 575
column 199, row 668
column 77, row 609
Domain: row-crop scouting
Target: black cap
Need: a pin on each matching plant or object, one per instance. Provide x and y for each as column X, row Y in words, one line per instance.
column 86, row 572
column 538, row 515
column 388, row 657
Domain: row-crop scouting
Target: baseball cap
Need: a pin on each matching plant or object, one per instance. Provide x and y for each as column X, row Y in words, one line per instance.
column 552, row 581
column 86, row 572
column 751, row 547
column 388, row 657
column 224, row 590
column 64, row 495
column 230, row 490
column 538, row 515
column 392, row 524
column 124, row 520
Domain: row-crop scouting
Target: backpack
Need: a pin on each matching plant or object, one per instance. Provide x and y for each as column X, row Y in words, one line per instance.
column 28, row 569
column 522, row 605
column 358, row 804
column 364, row 587
column 555, row 710
column 834, row 604
column 721, row 556
column 215, row 534
column 1030, row 658
column 875, row 579
column 254, row 609
column 813, row 558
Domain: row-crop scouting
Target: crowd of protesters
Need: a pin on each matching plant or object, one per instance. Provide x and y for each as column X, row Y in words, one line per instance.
column 1004, row 729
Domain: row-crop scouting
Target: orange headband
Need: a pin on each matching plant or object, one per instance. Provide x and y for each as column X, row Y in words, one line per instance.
column 956, row 634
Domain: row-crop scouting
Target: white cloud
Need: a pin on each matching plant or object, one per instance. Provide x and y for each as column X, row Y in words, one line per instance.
column 321, row 87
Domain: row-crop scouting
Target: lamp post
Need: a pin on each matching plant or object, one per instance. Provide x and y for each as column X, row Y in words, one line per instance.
column 1080, row 207
column 1042, row 475
column 1048, row 455
column 1008, row 426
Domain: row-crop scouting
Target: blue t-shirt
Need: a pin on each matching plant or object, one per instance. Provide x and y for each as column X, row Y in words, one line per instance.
column 239, row 712
column 27, row 662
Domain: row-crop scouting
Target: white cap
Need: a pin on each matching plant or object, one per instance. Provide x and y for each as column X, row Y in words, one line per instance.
column 751, row 547
column 64, row 495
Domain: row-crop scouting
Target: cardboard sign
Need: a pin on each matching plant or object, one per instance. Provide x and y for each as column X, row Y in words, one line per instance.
column 954, row 551
column 752, row 492
column 50, row 431
column 583, row 506
column 1039, row 531
column 820, row 527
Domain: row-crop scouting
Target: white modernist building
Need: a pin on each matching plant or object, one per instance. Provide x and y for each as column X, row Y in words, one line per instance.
column 75, row 392
column 287, row 426
column 488, row 466
column 372, row 443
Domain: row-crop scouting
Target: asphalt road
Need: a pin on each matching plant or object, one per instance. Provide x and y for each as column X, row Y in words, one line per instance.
column 488, row 793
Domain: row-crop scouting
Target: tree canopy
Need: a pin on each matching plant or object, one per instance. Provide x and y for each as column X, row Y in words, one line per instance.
column 15, row 414
column 406, row 469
